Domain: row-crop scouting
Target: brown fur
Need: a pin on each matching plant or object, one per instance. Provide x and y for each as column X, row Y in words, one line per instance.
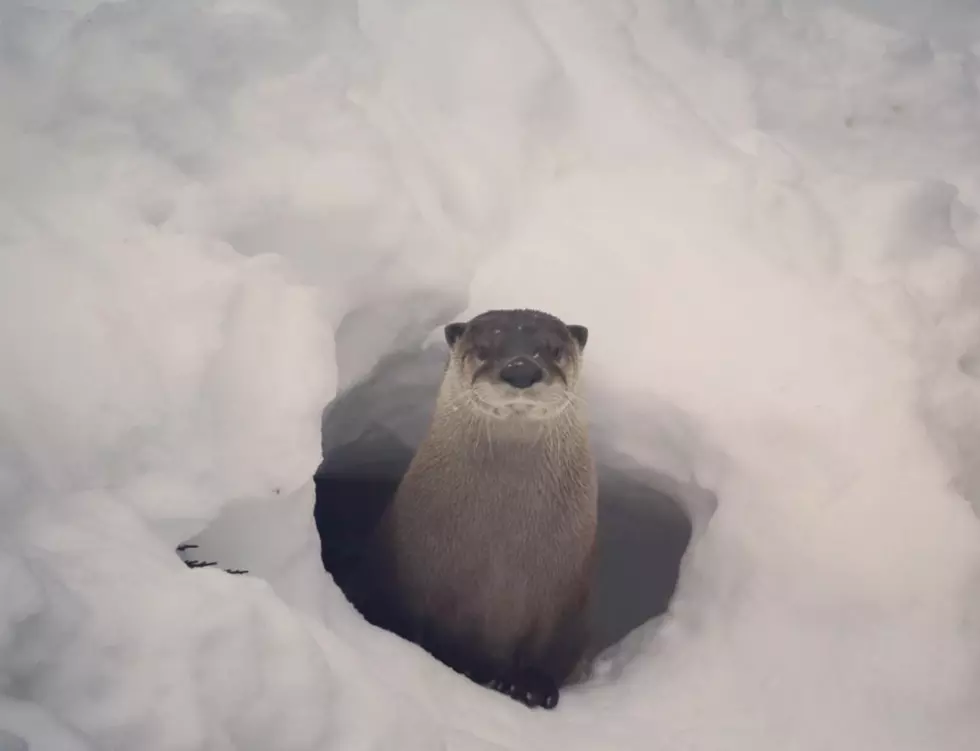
column 489, row 540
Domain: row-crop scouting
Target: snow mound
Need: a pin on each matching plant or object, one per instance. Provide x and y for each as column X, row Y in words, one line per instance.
column 218, row 214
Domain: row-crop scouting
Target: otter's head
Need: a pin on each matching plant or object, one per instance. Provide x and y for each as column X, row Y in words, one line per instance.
column 516, row 363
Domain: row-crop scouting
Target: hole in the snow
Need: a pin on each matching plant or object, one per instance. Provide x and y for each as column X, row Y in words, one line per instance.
column 370, row 432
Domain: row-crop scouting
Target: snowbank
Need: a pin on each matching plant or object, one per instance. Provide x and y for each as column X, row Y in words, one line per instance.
column 217, row 214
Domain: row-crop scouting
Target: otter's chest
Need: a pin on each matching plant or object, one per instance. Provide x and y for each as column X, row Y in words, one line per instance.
column 512, row 503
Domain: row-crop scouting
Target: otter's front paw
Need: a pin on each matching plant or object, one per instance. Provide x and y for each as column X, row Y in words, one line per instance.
column 530, row 687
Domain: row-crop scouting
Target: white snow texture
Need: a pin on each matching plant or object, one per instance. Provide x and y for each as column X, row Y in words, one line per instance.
column 214, row 214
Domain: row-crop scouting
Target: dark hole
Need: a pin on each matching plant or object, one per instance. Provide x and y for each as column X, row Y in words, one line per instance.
column 369, row 435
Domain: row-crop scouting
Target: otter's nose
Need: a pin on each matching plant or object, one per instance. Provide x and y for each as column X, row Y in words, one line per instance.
column 521, row 373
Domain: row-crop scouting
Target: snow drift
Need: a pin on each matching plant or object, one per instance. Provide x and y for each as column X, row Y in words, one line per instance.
column 217, row 214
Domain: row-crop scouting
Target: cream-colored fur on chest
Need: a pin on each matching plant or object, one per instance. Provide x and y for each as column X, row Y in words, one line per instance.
column 493, row 525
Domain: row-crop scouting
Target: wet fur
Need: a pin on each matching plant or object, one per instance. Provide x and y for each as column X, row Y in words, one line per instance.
column 487, row 548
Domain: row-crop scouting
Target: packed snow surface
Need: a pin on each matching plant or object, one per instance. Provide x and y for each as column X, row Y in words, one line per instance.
column 215, row 214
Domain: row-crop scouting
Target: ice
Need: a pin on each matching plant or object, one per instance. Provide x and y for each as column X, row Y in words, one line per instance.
column 216, row 215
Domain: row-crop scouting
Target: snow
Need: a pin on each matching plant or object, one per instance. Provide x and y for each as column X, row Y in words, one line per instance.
column 216, row 215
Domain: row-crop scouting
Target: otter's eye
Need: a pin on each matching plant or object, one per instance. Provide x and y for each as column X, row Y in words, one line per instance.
column 552, row 353
column 482, row 353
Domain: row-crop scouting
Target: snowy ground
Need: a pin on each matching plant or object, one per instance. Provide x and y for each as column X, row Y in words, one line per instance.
column 215, row 214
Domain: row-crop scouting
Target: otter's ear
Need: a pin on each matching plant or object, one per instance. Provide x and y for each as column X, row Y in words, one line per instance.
column 453, row 332
column 579, row 334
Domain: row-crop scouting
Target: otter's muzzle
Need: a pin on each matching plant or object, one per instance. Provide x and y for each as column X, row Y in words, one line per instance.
column 521, row 373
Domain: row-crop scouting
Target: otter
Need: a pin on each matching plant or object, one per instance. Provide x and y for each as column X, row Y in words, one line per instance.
column 486, row 549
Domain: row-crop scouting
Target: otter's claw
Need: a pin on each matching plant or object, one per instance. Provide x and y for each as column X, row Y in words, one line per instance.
column 528, row 687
